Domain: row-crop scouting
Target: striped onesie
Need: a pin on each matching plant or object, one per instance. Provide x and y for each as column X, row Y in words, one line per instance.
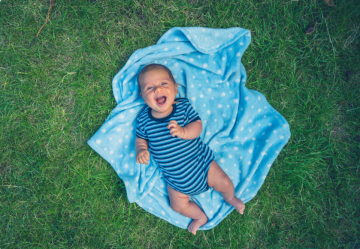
column 184, row 163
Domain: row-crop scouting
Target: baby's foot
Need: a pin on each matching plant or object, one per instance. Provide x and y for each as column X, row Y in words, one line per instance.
column 237, row 204
column 195, row 224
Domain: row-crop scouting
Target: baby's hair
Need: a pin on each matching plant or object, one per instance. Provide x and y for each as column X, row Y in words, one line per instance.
column 151, row 67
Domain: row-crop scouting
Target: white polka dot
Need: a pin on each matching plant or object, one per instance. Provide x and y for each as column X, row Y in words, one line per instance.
column 275, row 131
column 202, row 195
column 165, row 62
column 223, row 94
column 242, row 128
column 201, row 96
column 236, row 101
column 230, row 156
column 176, row 64
column 250, row 120
column 193, row 76
column 205, row 65
column 203, row 72
column 191, row 59
column 189, row 37
column 249, row 162
column 162, row 212
column 270, row 124
column 222, row 160
column 236, row 148
column 112, row 152
column 263, row 153
column 208, row 112
column 192, row 85
column 281, row 137
column 209, row 89
column 126, row 166
column 238, row 54
column 177, row 48
column 219, row 106
column 253, row 138
column 98, row 141
column 132, row 155
column 277, row 152
column 162, row 186
column 103, row 130
column 250, row 151
column 267, row 140
column 166, row 49
column 246, row 98
column 219, row 71
column 208, row 133
column 127, row 183
column 120, row 140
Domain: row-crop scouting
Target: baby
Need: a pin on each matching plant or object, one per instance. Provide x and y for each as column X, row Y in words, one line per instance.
column 169, row 128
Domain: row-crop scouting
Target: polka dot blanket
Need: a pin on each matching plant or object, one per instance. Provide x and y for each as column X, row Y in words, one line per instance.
column 245, row 133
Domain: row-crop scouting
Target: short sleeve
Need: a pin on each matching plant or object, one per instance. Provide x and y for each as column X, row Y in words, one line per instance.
column 140, row 132
column 191, row 115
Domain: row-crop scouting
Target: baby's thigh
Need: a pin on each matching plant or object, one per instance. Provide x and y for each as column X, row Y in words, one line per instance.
column 178, row 200
column 216, row 174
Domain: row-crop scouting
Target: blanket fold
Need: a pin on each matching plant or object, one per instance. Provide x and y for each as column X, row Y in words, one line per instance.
column 245, row 133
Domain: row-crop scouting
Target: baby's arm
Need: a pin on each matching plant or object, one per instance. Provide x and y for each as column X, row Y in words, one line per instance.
column 191, row 131
column 142, row 153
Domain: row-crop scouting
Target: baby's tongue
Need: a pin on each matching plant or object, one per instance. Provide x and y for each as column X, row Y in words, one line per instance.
column 160, row 100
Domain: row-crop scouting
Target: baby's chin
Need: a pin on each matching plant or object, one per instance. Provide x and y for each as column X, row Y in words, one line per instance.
column 162, row 104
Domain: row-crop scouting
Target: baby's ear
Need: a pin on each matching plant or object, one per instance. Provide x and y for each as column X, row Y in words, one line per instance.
column 176, row 90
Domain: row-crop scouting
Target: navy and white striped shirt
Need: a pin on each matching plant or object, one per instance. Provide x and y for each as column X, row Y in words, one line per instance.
column 184, row 163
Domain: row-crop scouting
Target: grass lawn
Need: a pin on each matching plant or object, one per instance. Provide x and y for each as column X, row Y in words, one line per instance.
column 56, row 192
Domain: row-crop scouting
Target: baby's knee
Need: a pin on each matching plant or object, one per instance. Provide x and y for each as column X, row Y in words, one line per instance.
column 226, row 183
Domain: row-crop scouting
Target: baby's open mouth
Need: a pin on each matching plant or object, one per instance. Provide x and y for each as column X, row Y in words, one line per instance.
column 161, row 100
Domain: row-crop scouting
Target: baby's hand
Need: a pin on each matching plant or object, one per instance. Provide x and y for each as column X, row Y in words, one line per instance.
column 143, row 156
column 175, row 129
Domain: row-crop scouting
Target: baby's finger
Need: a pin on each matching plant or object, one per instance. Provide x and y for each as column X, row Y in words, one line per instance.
column 173, row 129
column 175, row 133
column 171, row 125
column 147, row 156
column 144, row 159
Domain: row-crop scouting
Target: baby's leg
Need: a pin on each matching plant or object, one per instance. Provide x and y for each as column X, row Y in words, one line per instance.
column 180, row 203
column 220, row 181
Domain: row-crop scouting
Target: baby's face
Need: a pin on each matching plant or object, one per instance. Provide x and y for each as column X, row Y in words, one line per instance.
column 158, row 90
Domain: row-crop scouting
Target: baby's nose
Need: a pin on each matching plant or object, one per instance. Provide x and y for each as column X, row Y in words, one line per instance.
column 158, row 89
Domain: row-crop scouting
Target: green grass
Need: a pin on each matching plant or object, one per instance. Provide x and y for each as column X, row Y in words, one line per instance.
column 56, row 192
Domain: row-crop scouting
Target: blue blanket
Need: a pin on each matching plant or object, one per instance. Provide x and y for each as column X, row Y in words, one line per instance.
column 244, row 131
